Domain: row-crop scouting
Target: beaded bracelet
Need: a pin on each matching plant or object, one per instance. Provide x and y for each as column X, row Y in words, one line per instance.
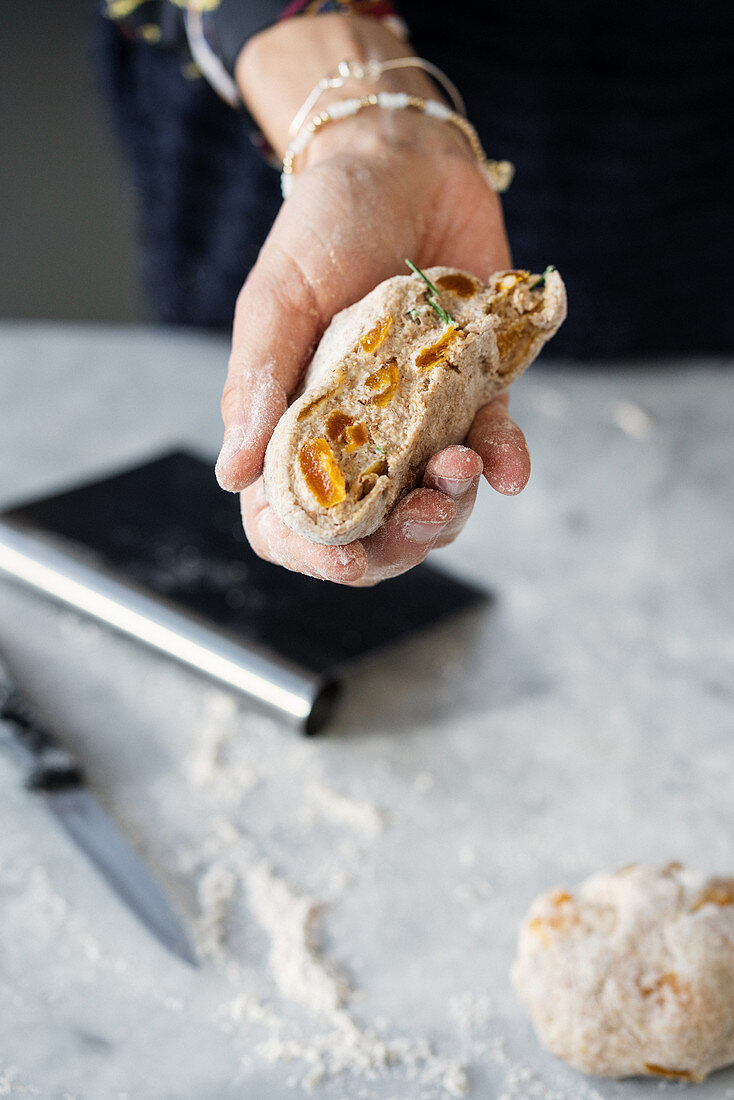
column 498, row 173
column 373, row 70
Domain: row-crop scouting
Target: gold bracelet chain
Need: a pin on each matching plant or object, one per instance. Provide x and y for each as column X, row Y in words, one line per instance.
column 498, row 173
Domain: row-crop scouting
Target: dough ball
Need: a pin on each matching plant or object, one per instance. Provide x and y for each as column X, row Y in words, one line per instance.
column 633, row 973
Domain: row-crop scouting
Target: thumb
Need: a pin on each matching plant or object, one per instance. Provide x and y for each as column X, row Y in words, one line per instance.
column 314, row 263
column 277, row 322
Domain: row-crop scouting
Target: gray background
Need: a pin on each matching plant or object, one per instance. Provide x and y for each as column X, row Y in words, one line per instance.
column 57, row 154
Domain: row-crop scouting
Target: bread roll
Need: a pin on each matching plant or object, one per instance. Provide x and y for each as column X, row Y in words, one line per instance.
column 397, row 377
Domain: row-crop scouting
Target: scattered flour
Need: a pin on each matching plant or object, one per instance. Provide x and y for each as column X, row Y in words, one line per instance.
column 549, row 401
column 332, row 1044
column 11, row 1084
column 211, row 766
column 349, row 1049
column 423, row 782
column 520, row 1082
column 480, row 1039
column 469, row 893
column 216, row 891
column 632, row 420
column 467, row 855
column 471, row 1013
column 245, row 1008
column 291, row 924
column 322, row 801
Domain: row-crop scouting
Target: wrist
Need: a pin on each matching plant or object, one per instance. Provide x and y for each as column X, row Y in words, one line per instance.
column 377, row 134
column 278, row 68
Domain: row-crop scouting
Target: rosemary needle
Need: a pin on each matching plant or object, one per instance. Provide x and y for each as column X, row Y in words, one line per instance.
column 541, row 280
column 433, row 296
column 445, row 317
column 418, row 272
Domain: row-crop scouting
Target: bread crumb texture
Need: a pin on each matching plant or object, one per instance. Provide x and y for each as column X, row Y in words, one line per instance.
column 633, row 972
column 391, row 383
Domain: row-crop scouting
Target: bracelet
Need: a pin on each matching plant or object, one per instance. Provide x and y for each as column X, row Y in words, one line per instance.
column 498, row 173
column 372, row 70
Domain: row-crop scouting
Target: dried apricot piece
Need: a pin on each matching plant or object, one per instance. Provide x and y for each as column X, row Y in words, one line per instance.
column 340, row 428
column 661, row 1071
column 720, row 893
column 355, row 436
column 512, row 278
column 371, row 340
column 435, row 353
column 458, row 283
column 671, row 984
column 312, row 407
column 337, row 425
column 321, row 472
column 566, row 916
column 385, row 381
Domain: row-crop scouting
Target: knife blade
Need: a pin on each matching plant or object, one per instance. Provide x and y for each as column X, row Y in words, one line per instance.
column 52, row 772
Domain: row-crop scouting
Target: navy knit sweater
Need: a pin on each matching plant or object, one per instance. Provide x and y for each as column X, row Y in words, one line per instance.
column 617, row 117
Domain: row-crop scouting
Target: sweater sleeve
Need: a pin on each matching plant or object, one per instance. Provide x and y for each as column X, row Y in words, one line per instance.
column 226, row 25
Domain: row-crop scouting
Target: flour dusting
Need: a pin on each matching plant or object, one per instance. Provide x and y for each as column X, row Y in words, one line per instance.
column 333, row 1044
column 11, row 1085
column 216, row 890
column 291, row 922
column 632, row 420
column 323, row 801
column 211, row 767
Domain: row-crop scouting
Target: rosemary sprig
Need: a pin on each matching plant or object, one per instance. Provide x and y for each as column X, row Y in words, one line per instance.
column 379, row 448
column 414, row 315
column 445, row 317
column 417, row 271
column 541, row 280
column 433, row 296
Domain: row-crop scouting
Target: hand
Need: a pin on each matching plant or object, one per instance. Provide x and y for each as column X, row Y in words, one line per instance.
column 370, row 191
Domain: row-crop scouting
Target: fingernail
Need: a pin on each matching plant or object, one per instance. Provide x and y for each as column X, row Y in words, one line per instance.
column 453, row 486
column 421, row 531
column 232, row 444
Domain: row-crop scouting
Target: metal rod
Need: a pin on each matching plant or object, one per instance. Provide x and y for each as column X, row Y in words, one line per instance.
column 300, row 697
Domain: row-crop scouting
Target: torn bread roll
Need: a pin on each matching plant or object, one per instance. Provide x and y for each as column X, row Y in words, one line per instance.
column 397, row 377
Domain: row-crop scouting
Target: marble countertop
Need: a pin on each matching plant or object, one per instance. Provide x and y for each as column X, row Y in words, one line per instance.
column 356, row 897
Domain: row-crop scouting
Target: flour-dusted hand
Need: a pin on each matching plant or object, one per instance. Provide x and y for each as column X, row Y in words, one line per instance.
column 370, row 191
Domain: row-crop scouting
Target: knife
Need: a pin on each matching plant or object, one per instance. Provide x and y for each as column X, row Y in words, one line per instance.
column 51, row 772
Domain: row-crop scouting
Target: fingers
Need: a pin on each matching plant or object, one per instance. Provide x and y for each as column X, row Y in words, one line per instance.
column 309, row 268
column 276, row 324
column 411, row 530
column 455, row 472
column 501, row 446
column 272, row 540
column 409, row 533
column 424, row 520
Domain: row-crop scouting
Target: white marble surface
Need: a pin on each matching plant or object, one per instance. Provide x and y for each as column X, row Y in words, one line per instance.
column 583, row 722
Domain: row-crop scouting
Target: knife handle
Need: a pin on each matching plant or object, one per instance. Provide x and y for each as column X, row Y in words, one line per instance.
column 48, row 766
